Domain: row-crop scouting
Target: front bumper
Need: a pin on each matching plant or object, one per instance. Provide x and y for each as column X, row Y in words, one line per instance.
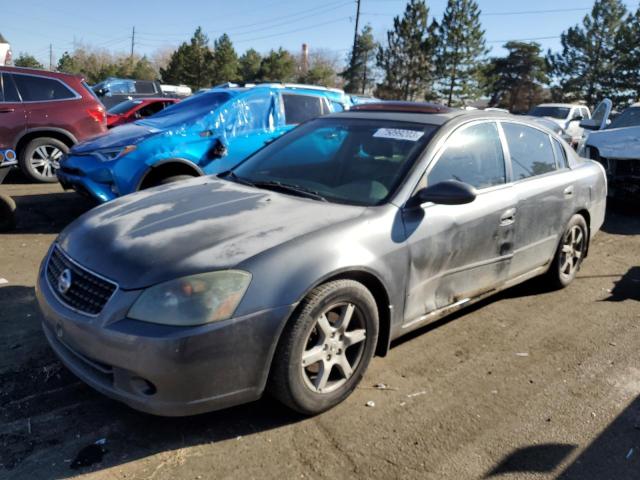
column 87, row 176
column 169, row 371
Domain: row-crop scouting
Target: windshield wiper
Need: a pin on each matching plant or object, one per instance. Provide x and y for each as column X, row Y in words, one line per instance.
column 235, row 178
column 288, row 188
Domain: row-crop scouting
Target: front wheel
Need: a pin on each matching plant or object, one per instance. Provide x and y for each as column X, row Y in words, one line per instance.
column 570, row 253
column 326, row 347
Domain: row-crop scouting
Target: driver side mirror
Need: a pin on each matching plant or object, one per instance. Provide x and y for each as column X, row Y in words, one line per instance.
column 577, row 118
column 590, row 124
column 449, row 192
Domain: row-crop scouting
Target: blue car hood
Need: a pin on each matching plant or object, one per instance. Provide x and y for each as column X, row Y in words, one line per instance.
column 188, row 227
column 121, row 136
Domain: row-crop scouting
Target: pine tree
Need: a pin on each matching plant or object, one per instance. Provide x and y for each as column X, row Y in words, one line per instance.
column 249, row 65
column 277, row 66
column 460, row 50
column 28, row 61
column 407, row 59
column 627, row 72
column 516, row 81
column 225, row 61
column 191, row 64
column 359, row 76
column 586, row 66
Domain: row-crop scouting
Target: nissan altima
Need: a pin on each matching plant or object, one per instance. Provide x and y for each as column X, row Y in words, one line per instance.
column 289, row 272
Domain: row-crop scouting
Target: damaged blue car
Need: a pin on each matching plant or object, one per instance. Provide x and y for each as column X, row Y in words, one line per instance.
column 205, row 134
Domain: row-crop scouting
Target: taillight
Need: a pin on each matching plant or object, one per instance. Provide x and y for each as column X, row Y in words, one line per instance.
column 98, row 114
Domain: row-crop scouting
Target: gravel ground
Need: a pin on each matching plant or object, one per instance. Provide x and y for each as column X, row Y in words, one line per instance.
column 529, row 384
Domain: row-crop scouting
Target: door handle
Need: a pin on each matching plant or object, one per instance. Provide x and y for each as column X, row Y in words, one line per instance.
column 568, row 192
column 508, row 217
column 7, row 110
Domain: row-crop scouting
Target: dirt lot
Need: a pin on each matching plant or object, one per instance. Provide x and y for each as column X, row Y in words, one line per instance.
column 531, row 384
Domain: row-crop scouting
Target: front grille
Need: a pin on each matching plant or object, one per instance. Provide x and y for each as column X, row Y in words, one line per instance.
column 87, row 292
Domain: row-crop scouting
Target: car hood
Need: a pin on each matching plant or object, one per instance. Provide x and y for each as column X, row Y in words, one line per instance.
column 195, row 226
column 617, row 142
column 128, row 134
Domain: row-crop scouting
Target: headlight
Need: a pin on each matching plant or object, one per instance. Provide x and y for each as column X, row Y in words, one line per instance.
column 109, row 154
column 192, row 300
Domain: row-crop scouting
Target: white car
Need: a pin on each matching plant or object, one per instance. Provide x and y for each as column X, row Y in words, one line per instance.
column 616, row 146
column 567, row 116
column 5, row 52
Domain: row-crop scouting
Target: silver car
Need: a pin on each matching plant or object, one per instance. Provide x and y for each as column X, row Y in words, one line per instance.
column 291, row 271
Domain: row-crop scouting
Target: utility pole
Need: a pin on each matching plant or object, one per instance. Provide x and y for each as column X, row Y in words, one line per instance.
column 355, row 33
column 133, row 40
column 50, row 57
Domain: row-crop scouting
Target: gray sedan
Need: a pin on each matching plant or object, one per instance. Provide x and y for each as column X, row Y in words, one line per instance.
column 291, row 271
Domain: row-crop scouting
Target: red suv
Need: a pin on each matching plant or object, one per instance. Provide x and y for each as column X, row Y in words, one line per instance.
column 42, row 114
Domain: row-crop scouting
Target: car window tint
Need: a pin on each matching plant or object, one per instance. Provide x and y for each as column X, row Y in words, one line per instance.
column 8, row 92
column 530, row 151
column 337, row 106
column 472, row 155
column 560, row 153
column 300, row 108
column 150, row 109
column 38, row 89
column 145, row 87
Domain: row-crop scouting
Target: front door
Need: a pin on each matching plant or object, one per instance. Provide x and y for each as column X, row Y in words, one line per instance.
column 461, row 251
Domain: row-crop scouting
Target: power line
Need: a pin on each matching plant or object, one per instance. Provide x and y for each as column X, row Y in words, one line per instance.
column 523, row 39
column 306, row 28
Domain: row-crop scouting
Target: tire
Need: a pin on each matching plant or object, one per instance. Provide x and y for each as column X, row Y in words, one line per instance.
column 39, row 159
column 304, row 385
column 172, row 179
column 7, row 213
column 570, row 253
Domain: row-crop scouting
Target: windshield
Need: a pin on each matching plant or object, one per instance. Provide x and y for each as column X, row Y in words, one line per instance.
column 186, row 111
column 345, row 160
column 629, row 118
column 124, row 107
column 553, row 112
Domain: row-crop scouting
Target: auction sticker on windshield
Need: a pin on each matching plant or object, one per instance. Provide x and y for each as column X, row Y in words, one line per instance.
column 399, row 134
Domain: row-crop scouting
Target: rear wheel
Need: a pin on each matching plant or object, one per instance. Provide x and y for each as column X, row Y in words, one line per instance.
column 40, row 159
column 570, row 253
column 326, row 348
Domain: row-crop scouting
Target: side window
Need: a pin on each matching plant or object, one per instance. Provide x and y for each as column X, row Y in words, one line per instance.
column 585, row 112
column 560, row 153
column 472, row 155
column 300, row 108
column 41, row 89
column 337, row 106
column 149, row 110
column 8, row 92
column 530, row 151
column 145, row 87
column 118, row 87
column 253, row 113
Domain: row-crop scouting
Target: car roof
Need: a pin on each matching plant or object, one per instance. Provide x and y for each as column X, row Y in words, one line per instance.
column 41, row 73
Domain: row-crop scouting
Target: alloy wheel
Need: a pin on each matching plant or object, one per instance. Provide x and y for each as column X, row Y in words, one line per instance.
column 334, row 348
column 45, row 160
column 572, row 251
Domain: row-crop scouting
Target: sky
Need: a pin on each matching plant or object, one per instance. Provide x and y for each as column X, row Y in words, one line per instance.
column 32, row 25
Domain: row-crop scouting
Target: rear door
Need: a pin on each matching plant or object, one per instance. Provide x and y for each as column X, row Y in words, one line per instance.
column 40, row 95
column 12, row 114
column 461, row 251
column 545, row 193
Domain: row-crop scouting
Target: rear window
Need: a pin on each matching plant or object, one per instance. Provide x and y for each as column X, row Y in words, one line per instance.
column 124, row 107
column 40, row 89
column 300, row 108
column 145, row 87
column 553, row 112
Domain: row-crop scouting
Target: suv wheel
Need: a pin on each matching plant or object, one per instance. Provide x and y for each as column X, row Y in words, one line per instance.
column 39, row 159
column 326, row 348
